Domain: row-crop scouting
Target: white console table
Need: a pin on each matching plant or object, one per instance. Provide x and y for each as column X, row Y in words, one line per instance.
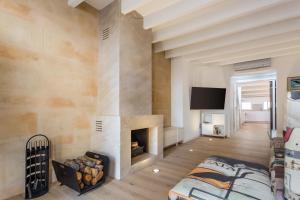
column 213, row 123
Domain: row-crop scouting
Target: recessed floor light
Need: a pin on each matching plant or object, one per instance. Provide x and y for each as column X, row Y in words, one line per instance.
column 156, row 171
column 191, row 150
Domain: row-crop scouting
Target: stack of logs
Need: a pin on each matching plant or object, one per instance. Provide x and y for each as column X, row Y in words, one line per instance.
column 134, row 145
column 88, row 170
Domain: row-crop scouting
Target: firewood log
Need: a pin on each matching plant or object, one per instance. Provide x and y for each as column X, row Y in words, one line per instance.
column 99, row 167
column 88, row 170
column 78, row 176
column 95, row 180
column 81, row 185
column 99, row 175
column 87, row 162
column 79, row 161
column 81, row 164
column 81, row 169
column 72, row 164
column 87, row 179
column 97, row 162
column 94, row 172
column 134, row 145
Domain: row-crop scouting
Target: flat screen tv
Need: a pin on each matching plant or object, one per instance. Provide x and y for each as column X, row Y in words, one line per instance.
column 207, row 98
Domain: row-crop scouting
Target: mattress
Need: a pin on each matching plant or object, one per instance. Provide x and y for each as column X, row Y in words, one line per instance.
column 224, row 178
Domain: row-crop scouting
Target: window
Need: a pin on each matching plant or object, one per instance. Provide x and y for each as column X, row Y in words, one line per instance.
column 267, row 105
column 246, row 106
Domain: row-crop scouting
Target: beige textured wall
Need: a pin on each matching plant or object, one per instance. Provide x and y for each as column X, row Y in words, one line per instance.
column 48, row 65
column 109, row 79
column 135, row 66
column 161, row 87
column 125, row 57
column 124, row 78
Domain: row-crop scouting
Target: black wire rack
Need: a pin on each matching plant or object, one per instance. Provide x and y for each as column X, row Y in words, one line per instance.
column 37, row 166
column 66, row 175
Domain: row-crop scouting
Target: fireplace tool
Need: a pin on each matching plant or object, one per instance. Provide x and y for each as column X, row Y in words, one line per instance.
column 37, row 166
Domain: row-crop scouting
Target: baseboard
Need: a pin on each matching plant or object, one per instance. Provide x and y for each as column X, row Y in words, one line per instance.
column 254, row 122
column 173, row 145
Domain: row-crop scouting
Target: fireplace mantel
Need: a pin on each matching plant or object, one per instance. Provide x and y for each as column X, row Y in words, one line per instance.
column 155, row 125
column 115, row 141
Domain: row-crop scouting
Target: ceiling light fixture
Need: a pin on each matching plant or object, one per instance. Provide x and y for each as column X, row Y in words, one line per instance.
column 156, row 171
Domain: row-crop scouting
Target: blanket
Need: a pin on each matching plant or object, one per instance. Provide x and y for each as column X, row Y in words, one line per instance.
column 224, row 178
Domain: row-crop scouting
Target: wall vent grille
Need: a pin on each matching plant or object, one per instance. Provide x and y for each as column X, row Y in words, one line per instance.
column 251, row 65
column 99, row 126
column 106, row 33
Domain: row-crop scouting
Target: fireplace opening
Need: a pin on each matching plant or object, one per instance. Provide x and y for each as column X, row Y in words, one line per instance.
column 139, row 142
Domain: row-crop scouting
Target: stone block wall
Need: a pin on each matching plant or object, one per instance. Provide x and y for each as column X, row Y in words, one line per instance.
column 48, row 82
column 58, row 75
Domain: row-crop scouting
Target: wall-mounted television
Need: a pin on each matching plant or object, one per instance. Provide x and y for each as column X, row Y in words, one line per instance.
column 207, row 98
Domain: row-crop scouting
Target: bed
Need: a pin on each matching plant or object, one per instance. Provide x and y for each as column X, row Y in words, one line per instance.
column 224, row 178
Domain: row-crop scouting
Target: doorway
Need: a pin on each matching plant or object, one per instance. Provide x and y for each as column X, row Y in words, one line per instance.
column 255, row 100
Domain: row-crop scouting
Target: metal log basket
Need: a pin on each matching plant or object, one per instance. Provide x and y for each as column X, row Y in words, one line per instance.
column 67, row 175
column 37, row 166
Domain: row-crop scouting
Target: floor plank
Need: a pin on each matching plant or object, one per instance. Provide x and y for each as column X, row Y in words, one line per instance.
column 250, row 143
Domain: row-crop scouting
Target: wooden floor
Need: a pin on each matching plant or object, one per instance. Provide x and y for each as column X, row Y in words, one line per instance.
column 250, row 144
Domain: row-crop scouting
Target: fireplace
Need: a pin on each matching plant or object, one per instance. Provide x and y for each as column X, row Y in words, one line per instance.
column 124, row 130
column 139, row 142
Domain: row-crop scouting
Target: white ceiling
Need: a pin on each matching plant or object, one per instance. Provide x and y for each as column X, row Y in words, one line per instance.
column 218, row 31
column 221, row 31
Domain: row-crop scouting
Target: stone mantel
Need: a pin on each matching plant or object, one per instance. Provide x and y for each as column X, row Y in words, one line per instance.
column 155, row 125
column 115, row 140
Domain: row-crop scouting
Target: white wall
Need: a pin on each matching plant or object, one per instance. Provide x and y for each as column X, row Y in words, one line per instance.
column 256, row 100
column 293, row 115
column 185, row 76
column 286, row 66
column 177, row 79
column 255, row 116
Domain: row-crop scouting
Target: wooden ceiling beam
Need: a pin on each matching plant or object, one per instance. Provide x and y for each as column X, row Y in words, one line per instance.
column 273, row 15
column 273, row 32
column 222, row 12
column 258, row 50
column 275, row 53
column 154, row 6
column 287, row 38
column 175, row 11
